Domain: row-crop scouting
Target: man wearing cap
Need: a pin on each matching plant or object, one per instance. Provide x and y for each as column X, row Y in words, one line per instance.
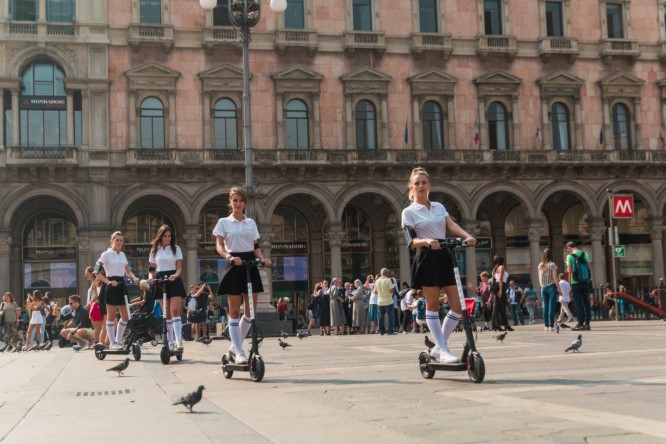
column 82, row 333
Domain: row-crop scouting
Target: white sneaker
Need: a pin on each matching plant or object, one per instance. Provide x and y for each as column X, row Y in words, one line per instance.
column 172, row 345
column 435, row 352
column 240, row 358
column 115, row 346
column 179, row 346
column 447, row 357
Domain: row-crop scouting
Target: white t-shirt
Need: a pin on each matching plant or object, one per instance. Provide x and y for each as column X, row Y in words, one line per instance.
column 239, row 236
column 428, row 223
column 407, row 299
column 114, row 263
column 164, row 259
column 192, row 303
column 374, row 297
column 565, row 287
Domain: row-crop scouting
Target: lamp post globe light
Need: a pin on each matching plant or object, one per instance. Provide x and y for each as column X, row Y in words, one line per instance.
column 245, row 14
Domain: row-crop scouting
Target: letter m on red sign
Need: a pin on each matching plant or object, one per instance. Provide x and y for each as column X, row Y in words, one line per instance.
column 623, row 206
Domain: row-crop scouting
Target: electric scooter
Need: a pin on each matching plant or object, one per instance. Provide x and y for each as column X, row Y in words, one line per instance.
column 128, row 346
column 255, row 363
column 166, row 353
column 471, row 359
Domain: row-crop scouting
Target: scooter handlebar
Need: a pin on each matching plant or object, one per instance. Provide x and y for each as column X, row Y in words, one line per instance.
column 457, row 242
column 255, row 262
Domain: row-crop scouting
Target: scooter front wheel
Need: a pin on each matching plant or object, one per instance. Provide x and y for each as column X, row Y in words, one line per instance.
column 165, row 356
column 99, row 352
column 179, row 356
column 424, row 359
column 476, row 369
column 225, row 371
column 136, row 352
column 257, row 369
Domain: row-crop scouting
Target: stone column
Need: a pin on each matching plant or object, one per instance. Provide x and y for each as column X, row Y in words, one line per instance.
column 316, row 143
column 597, row 229
column 547, row 128
column 172, row 142
column 403, row 254
column 349, row 122
column 16, row 131
column 85, row 119
column 264, row 299
column 335, row 236
column 515, row 120
column 2, row 124
column 279, row 121
column 85, row 258
column 578, row 124
column 451, row 122
column 657, row 236
column 42, row 11
column 534, row 236
column 70, row 117
column 608, row 131
column 5, row 254
column 637, row 124
column 418, row 132
column 472, row 227
column 483, row 127
column 190, row 253
column 384, row 125
column 133, row 127
column 207, row 135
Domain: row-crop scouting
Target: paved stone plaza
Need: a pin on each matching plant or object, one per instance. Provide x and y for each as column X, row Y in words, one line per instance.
column 352, row 389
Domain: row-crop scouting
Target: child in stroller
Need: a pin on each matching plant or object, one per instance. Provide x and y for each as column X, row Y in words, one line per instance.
column 140, row 325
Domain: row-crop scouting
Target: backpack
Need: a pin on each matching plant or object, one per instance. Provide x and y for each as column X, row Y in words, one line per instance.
column 581, row 269
column 421, row 309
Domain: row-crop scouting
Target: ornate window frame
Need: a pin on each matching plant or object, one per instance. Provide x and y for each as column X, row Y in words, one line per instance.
column 499, row 86
column 566, row 17
column 366, row 83
column 298, row 82
column 622, row 87
column 152, row 79
column 374, row 4
column 506, row 23
column 224, row 81
column 307, row 16
column 164, row 4
column 626, row 23
column 416, row 16
column 561, row 86
column 437, row 86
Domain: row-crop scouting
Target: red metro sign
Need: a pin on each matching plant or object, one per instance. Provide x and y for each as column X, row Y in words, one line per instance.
column 623, row 206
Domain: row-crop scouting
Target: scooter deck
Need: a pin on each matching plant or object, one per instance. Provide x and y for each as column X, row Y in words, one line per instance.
column 453, row 367
column 175, row 352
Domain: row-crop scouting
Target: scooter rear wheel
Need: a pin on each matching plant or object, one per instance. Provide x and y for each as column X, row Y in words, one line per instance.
column 179, row 356
column 257, row 369
column 165, row 356
column 99, row 354
column 424, row 359
column 225, row 371
column 136, row 352
column 476, row 369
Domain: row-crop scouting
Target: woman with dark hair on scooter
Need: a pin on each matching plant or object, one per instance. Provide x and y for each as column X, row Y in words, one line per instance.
column 116, row 267
column 237, row 241
column 425, row 224
column 498, row 288
column 166, row 261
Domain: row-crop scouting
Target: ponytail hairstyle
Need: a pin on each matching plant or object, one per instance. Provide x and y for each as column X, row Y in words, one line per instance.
column 418, row 171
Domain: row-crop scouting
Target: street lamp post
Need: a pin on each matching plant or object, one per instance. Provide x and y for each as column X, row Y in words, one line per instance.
column 245, row 14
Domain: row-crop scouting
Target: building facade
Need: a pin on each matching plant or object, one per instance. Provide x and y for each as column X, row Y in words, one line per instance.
column 126, row 114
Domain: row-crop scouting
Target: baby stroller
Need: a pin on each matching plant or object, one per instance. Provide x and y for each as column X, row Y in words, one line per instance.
column 470, row 306
column 139, row 326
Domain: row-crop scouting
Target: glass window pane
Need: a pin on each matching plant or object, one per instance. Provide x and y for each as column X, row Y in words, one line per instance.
column 294, row 16
column 25, row 10
column 35, row 134
column 297, row 124
column 150, row 11
column 614, row 21
column 146, row 132
column 554, row 19
column 497, row 127
column 365, row 125
column 559, row 116
column 78, row 129
column 225, row 133
column 621, row 136
column 362, row 15
column 60, row 10
column 492, row 17
column 158, row 132
column 432, row 126
column 221, row 14
column 428, row 16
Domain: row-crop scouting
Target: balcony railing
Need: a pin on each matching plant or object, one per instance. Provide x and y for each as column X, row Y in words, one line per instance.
column 151, row 34
column 34, row 30
column 620, row 48
column 567, row 46
column 436, row 42
column 221, row 36
column 378, row 157
column 505, row 45
column 374, row 40
column 296, row 38
column 41, row 155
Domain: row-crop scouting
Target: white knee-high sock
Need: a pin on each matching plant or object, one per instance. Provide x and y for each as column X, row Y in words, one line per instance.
column 111, row 331
column 170, row 330
column 120, row 331
column 177, row 328
column 244, row 325
column 432, row 319
column 234, row 332
column 449, row 324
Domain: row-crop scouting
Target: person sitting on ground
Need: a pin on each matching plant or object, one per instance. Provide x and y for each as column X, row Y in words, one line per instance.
column 82, row 331
column 609, row 299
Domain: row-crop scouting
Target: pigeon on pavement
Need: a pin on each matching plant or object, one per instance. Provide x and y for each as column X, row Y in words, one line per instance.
column 563, row 325
column 301, row 335
column 576, row 344
column 76, row 348
column 120, row 368
column 557, row 328
column 190, row 399
column 283, row 344
column 48, row 346
column 429, row 343
column 501, row 337
column 283, row 334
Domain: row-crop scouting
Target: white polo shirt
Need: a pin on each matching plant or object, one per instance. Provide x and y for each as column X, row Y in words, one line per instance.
column 428, row 223
column 114, row 263
column 239, row 236
column 164, row 258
